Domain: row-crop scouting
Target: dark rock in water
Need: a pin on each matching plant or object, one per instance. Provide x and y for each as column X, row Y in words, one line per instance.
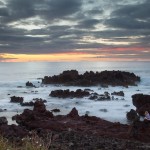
column 132, row 115
column 19, row 86
column 32, row 103
column 40, row 99
column 2, row 110
column 39, row 106
column 114, row 78
column 73, row 113
column 55, row 110
column 29, row 84
column 121, row 93
column 15, row 99
column 139, row 100
column 100, row 97
column 3, row 120
column 28, row 118
column 93, row 97
column 67, row 93
column 27, row 103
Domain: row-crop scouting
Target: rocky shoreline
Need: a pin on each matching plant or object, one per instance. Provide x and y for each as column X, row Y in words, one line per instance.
column 72, row 131
column 85, row 132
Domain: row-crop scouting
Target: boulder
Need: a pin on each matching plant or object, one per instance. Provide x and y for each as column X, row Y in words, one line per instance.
column 132, row 115
column 27, row 103
column 30, row 84
column 73, row 113
column 55, row 110
column 69, row 94
column 15, row 99
column 39, row 107
column 139, row 100
column 3, row 120
column 120, row 93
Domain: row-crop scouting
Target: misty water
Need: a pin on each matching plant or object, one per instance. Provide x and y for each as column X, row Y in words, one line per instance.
column 13, row 77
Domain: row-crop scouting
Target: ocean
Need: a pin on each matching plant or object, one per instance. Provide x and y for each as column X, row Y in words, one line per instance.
column 13, row 77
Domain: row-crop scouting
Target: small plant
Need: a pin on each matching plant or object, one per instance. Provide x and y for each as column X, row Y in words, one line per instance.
column 34, row 142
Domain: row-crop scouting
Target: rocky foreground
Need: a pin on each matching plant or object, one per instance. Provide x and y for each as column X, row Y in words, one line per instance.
column 72, row 131
column 104, row 78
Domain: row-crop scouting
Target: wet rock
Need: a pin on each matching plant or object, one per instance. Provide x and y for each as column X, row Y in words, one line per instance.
column 3, row 120
column 15, row 99
column 55, row 110
column 27, row 103
column 39, row 106
column 114, row 78
column 100, row 97
column 40, row 99
column 29, row 84
column 140, row 100
column 120, row 93
column 132, row 115
column 67, row 93
column 73, row 113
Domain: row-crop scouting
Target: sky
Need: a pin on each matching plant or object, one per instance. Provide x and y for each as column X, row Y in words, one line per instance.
column 74, row 30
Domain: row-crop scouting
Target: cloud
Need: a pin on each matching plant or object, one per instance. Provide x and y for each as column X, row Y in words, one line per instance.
column 4, row 12
column 135, row 16
column 58, row 9
column 60, row 26
column 88, row 23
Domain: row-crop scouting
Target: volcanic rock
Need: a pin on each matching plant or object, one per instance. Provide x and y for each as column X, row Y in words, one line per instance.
column 15, row 99
column 140, row 100
column 13, row 131
column 72, row 77
column 132, row 115
column 27, row 103
column 55, row 110
column 121, row 93
column 73, row 113
column 3, row 120
column 29, row 84
column 100, row 97
column 67, row 93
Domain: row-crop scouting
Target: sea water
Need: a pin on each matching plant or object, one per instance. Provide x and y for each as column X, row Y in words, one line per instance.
column 13, row 77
